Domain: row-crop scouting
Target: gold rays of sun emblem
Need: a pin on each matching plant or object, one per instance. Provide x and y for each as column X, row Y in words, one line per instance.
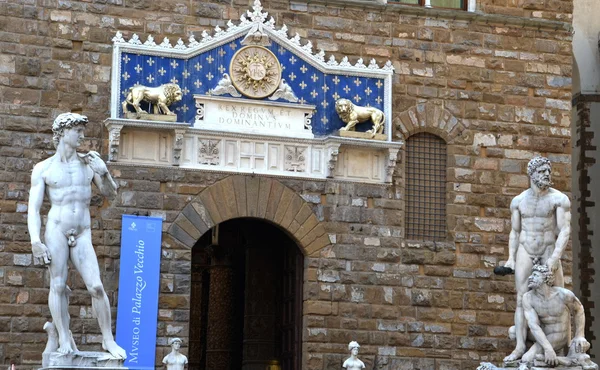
column 255, row 72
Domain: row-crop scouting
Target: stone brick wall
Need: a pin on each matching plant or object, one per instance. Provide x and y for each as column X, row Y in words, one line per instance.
column 502, row 85
column 546, row 9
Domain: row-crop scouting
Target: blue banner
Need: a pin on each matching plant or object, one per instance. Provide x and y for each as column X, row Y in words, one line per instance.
column 137, row 310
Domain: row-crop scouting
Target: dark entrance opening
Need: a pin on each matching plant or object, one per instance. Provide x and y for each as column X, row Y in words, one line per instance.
column 246, row 301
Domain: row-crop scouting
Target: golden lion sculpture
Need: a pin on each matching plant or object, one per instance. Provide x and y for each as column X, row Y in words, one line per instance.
column 353, row 114
column 159, row 97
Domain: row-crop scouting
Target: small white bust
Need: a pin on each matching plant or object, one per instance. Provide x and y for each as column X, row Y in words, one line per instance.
column 352, row 362
column 175, row 360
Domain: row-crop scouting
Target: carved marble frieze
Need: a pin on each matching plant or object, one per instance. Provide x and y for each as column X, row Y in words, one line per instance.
column 158, row 144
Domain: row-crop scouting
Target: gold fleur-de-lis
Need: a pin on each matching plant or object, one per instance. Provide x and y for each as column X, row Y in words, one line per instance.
column 325, row 104
column 357, row 98
column 210, row 76
column 150, row 61
column 302, row 101
column 346, row 89
column 293, row 60
column 233, row 46
column 335, row 96
column 378, row 100
column 357, row 81
column 198, row 84
column 185, row 73
column 138, row 68
column 314, row 93
column 174, row 64
column 126, row 59
column 126, row 76
column 221, row 52
column 210, row 59
column 325, row 88
column 185, row 91
column 198, row 66
column 379, row 84
column 303, row 69
column 314, row 77
column 221, row 69
column 162, row 71
column 303, row 85
column 281, row 50
column 174, row 81
column 184, row 108
column 336, row 80
column 368, row 91
column 324, row 120
column 150, row 78
column 292, row 76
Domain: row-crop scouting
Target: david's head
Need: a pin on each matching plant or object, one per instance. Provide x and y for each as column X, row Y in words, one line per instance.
column 540, row 172
column 70, row 124
column 540, row 275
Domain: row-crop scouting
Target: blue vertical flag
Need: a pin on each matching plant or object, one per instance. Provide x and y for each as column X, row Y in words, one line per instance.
column 139, row 277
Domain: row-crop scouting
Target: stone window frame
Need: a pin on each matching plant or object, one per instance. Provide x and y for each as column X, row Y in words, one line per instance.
column 471, row 5
column 468, row 5
column 432, row 117
column 440, row 201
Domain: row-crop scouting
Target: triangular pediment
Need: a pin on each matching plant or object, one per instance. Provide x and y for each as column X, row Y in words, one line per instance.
column 198, row 66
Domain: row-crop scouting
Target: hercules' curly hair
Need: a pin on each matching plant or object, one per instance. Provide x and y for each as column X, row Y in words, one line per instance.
column 536, row 162
column 64, row 121
column 544, row 270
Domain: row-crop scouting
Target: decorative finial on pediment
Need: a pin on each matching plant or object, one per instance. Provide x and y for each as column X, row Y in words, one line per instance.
column 118, row 37
column 257, row 34
column 256, row 16
column 192, row 41
column 150, row 41
column 135, row 40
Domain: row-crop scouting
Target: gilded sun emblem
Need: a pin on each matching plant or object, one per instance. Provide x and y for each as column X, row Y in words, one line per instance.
column 255, row 72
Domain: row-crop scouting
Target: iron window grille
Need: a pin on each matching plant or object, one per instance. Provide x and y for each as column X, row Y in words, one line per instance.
column 425, row 216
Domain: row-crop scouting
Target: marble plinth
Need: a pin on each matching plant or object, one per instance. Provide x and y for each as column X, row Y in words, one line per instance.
column 362, row 135
column 537, row 365
column 151, row 117
column 81, row 359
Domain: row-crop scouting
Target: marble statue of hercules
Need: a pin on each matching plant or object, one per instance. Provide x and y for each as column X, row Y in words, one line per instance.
column 548, row 312
column 540, row 218
column 66, row 177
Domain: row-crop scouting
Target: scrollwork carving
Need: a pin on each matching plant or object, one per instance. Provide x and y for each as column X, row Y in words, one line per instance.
column 209, row 152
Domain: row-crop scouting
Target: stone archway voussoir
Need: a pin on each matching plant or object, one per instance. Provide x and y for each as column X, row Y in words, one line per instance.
column 250, row 196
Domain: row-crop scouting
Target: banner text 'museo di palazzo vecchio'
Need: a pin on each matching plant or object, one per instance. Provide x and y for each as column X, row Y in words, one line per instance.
column 139, row 277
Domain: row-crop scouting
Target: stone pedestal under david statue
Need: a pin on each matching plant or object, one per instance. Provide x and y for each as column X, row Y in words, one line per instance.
column 549, row 319
column 67, row 178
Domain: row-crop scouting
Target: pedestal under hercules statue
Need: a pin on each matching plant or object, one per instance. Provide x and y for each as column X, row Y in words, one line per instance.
column 540, row 218
column 66, row 178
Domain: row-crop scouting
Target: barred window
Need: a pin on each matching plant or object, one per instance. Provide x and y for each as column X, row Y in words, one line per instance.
column 425, row 215
column 451, row 4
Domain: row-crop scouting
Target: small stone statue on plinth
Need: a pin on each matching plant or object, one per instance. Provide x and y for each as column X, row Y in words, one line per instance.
column 352, row 362
column 175, row 360
column 66, row 178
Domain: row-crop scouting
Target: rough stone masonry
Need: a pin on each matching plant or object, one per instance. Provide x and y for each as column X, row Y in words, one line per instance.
column 501, row 76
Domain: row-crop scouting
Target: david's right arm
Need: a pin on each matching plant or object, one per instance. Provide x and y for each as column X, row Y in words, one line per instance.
column 36, row 198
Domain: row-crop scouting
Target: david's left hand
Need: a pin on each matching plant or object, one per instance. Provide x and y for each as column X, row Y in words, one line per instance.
column 96, row 163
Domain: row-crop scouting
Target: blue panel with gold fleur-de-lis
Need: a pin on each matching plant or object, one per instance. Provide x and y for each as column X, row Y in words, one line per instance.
column 200, row 73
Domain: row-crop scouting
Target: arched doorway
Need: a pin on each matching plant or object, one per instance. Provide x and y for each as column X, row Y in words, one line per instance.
column 246, row 298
